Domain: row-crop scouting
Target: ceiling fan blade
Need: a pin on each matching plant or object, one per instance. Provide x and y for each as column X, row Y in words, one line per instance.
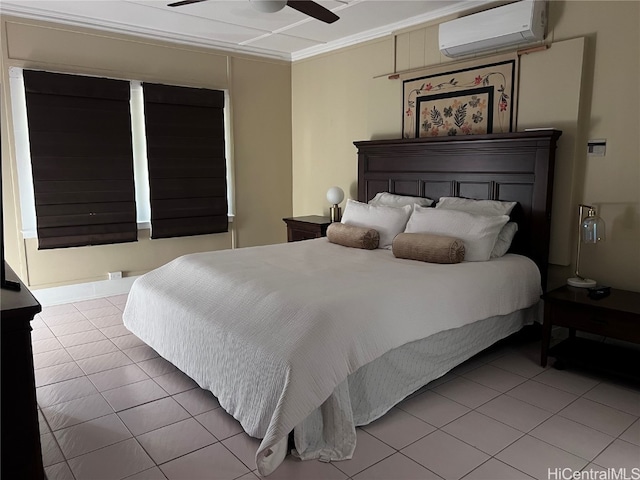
column 184, row 2
column 313, row 9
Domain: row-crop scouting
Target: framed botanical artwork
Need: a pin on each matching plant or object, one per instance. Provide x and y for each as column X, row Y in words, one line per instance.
column 468, row 100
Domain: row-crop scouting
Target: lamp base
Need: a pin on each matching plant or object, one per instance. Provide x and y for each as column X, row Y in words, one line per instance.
column 581, row 282
column 335, row 213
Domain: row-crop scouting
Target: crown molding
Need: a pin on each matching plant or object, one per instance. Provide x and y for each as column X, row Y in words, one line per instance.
column 142, row 32
column 386, row 29
column 24, row 11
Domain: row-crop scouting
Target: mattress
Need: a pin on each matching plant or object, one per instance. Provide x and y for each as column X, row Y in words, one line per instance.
column 274, row 332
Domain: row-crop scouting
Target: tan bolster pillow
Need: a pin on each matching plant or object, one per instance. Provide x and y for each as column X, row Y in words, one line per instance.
column 352, row 236
column 426, row 247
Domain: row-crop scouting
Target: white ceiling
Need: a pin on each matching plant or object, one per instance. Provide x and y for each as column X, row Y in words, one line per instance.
column 234, row 25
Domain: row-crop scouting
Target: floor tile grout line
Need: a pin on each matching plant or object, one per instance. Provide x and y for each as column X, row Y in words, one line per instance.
column 606, row 405
column 627, row 429
column 85, row 421
column 146, row 452
column 566, row 391
column 184, row 454
column 68, row 466
column 83, row 396
column 158, row 428
column 137, row 405
column 559, row 413
column 395, row 450
column 55, row 439
column 229, row 450
column 522, row 434
column 497, row 460
column 594, row 457
column 504, row 423
column 537, row 406
column 415, row 461
column 87, row 375
column 145, row 470
column 567, row 451
column 63, row 380
column 92, row 356
column 97, row 449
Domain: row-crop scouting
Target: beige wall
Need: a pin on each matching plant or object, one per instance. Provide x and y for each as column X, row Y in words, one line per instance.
column 294, row 127
column 262, row 139
column 331, row 104
column 261, row 116
column 335, row 95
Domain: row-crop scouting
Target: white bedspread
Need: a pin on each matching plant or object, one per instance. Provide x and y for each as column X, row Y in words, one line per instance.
column 272, row 331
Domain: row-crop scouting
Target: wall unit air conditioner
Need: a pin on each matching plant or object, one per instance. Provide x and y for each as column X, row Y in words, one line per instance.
column 510, row 25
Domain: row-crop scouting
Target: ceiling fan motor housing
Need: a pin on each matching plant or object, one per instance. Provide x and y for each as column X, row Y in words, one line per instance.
column 268, row 6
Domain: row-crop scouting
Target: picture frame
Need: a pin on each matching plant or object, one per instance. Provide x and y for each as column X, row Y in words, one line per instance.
column 470, row 99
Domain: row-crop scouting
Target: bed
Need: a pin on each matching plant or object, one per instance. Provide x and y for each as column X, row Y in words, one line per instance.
column 313, row 339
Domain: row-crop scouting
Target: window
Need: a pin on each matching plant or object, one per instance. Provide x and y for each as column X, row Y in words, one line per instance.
column 186, row 156
column 81, row 158
column 136, row 129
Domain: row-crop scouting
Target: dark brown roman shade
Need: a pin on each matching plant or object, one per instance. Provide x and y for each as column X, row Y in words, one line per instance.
column 186, row 155
column 82, row 159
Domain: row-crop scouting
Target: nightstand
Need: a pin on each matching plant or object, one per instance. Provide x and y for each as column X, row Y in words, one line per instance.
column 615, row 316
column 304, row 228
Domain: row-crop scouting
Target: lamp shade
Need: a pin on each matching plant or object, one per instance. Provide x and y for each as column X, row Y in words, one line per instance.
column 592, row 228
column 268, row 6
column 335, row 195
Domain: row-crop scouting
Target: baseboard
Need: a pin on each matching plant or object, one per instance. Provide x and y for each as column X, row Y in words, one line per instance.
column 83, row 291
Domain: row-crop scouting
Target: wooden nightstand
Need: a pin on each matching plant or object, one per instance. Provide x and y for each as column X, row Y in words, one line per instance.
column 304, row 228
column 616, row 316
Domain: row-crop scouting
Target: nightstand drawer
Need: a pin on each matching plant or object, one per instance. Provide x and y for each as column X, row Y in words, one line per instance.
column 295, row 235
column 620, row 325
column 305, row 228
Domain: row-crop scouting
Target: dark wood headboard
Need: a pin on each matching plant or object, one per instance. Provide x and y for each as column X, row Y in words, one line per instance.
column 513, row 166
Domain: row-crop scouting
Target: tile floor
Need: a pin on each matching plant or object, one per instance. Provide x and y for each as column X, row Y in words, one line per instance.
column 111, row 408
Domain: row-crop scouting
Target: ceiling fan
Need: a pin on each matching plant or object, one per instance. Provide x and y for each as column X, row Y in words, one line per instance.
column 308, row 7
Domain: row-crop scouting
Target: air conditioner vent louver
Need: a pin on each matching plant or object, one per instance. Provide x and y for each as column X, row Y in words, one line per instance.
column 510, row 25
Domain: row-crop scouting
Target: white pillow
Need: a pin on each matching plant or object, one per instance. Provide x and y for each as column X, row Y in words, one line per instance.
column 478, row 232
column 504, row 240
column 388, row 221
column 480, row 207
column 393, row 200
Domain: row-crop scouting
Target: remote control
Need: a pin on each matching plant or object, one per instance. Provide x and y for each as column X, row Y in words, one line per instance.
column 599, row 291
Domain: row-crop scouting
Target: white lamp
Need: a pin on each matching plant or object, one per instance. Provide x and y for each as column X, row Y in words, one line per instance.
column 268, row 6
column 591, row 230
column 335, row 195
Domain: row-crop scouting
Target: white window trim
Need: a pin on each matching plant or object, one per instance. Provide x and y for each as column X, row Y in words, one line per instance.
column 23, row 153
column 140, row 163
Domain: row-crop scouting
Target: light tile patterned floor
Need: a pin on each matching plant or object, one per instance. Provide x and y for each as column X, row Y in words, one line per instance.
column 111, row 408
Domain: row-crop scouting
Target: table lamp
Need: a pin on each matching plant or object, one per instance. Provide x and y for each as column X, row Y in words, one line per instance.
column 335, row 195
column 591, row 230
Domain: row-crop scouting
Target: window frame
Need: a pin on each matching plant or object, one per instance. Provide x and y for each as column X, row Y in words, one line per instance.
column 143, row 216
column 82, row 159
column 186, row 147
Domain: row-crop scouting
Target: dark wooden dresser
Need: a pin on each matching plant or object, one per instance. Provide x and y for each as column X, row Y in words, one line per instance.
column 21, row 454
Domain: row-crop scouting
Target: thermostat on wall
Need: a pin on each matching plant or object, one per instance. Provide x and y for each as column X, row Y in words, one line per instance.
column 597, row 148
